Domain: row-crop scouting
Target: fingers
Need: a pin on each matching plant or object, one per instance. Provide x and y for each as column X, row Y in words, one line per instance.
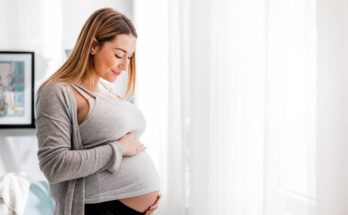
column 131, row 146
column 154, row 206
column 157, row 200
column 141, row 148
column 148, row 212
column 131, row 134
column 151, row 209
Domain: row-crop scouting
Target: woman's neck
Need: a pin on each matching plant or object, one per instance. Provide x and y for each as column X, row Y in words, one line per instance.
column 91, row 83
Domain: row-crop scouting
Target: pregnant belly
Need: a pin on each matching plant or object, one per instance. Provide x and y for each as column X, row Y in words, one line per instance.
column 141, row 203
column 135, row 184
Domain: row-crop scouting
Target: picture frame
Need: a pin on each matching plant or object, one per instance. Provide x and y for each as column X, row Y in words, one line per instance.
column 17, row 89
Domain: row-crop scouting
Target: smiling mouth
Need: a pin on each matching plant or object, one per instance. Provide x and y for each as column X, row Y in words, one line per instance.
column 116, row 72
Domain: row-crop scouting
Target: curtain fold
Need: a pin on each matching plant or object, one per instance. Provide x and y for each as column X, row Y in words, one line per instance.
column 332, row 135
column 252, row 107
column 227, row 107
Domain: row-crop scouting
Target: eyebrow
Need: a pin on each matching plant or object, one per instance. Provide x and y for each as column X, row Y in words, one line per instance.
column 124, row 51
column 121, row 50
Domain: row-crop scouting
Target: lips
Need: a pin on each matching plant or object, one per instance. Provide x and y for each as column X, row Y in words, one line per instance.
column 116, row 72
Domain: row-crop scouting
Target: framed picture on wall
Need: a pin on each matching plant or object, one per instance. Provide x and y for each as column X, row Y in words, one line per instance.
column 16, row 89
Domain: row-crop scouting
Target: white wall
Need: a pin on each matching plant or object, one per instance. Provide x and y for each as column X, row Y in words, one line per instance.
column 332, row 83
column 47, row 28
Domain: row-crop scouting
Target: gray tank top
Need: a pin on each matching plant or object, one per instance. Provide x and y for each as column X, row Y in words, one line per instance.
column 110, row 118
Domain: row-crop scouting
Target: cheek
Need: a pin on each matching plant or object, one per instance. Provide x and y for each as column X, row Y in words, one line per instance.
column 109, row 61
column 112, row 62
column 102, row 62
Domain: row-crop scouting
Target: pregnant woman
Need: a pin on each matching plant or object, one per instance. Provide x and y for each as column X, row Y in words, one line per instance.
column 88, row 135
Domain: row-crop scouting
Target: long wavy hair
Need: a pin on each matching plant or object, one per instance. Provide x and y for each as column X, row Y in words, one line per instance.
column 103, row 25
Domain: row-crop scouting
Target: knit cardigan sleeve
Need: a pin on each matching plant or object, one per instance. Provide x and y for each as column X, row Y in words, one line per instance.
column 58, row 159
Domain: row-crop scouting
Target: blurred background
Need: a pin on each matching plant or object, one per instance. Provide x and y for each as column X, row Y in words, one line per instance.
column 245, row 100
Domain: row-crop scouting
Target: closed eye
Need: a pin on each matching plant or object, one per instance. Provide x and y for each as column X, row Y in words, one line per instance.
column 119, row 57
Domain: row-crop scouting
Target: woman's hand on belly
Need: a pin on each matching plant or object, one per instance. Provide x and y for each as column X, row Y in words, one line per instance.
column 145, row 203
column 130, row 145
column 154, row 206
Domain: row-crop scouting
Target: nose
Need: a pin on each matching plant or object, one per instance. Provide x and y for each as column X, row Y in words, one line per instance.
column 124, row 64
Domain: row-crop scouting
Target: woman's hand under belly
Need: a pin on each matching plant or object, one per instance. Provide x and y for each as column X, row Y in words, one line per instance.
column 141, row 203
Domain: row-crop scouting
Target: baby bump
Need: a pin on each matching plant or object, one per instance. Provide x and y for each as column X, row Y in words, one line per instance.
column 135, row 172
column 135, row 181
column 141, row 169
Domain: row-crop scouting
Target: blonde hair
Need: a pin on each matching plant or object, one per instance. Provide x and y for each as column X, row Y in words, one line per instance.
column 103, row 25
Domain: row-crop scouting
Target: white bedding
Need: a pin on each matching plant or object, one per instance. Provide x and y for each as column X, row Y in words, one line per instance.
column 14, row 189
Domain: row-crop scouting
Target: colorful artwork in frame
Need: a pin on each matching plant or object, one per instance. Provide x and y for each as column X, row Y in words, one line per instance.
column 16, row 89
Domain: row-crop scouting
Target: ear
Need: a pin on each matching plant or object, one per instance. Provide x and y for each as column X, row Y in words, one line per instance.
column 95, row 46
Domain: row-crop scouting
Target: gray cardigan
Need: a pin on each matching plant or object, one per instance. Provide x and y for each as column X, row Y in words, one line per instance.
column 62, row 158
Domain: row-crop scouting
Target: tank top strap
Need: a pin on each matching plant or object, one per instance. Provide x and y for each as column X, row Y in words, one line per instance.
column 83, row 91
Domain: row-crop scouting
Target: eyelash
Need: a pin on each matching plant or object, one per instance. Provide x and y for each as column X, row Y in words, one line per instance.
column 121, row 57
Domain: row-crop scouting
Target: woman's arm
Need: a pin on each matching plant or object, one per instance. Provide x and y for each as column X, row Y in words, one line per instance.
column 58, row 161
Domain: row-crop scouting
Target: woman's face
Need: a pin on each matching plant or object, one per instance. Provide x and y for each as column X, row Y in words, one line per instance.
column 113, row 57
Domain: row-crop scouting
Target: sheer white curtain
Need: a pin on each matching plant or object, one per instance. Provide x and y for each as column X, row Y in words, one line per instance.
column 236, row 133
column 227, row 107
column 251, row 106
column 332, row 186
column 291, row 114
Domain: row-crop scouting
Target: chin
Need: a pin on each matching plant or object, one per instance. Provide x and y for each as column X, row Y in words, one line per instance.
column 112, row 79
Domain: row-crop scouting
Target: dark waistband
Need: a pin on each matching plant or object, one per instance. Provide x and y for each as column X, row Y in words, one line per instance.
column 115, row 207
